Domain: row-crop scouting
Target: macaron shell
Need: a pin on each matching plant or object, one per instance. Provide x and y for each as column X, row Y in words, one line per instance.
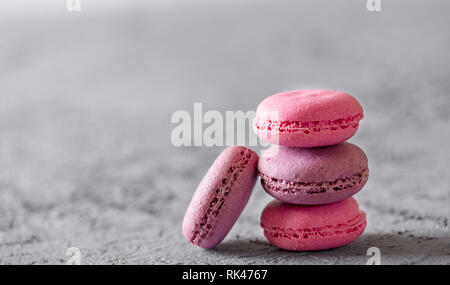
column 310, row 105
column 313, row 176
column 220, row 197
column 320, row 117
column 309, row 228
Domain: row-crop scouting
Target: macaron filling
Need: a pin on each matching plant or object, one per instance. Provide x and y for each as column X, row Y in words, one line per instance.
column 221, row 192
column 356, row 223
column 308, row 127
column 343, row 183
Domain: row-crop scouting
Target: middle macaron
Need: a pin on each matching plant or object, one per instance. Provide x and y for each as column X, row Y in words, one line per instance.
column 313, row 176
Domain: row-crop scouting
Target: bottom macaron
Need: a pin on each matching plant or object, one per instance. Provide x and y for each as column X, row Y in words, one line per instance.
column 309, row 228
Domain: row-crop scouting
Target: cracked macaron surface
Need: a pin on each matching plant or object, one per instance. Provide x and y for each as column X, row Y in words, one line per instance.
column 308, row 118
column 309, row 228
column 313, row 176
column 220, row 197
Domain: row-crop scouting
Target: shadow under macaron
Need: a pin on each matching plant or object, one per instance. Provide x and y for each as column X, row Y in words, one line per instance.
column 396, row 247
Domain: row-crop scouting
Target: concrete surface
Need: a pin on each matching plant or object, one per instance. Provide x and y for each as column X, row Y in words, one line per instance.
column 86, row 99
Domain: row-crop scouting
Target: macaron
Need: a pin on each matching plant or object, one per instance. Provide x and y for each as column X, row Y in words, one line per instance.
column 309, row 228
column 313, row 176
column 221, row 197
column 308, row 118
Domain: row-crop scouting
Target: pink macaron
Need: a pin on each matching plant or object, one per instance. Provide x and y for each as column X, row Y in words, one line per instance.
column 221, row 197
column 308, row 118
column 313, row 176
column 309, row 228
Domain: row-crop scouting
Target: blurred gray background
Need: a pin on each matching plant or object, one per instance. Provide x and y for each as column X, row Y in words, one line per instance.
column 86, row 99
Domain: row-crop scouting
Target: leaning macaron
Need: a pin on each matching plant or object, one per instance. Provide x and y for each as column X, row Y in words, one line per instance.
column 313, row 176
column 220, row 197
column 308, row 118
column 309, row 228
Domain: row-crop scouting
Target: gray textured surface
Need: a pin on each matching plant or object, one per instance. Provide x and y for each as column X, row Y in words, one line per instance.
column 86, row 99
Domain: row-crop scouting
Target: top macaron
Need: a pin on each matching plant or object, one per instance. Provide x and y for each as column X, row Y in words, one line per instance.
column 308, row 118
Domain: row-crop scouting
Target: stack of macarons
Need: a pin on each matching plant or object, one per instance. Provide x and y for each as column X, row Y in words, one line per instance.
column 309, row 169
